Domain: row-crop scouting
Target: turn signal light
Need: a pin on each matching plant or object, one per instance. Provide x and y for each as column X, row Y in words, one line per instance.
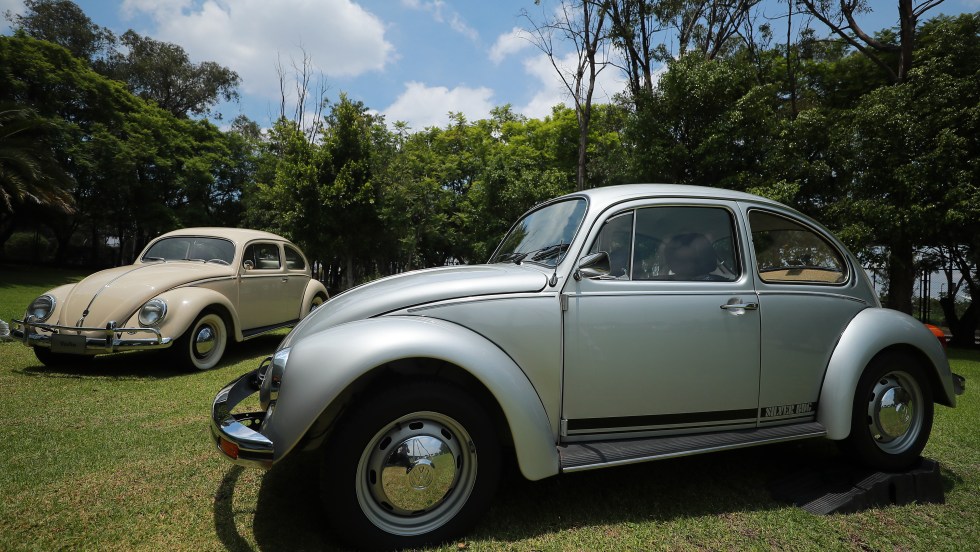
column 939, row 333
column 229, row 448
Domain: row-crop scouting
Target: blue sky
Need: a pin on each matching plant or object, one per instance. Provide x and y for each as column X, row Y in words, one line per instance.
column 412, row 60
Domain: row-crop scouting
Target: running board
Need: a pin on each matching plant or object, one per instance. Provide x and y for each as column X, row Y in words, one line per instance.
column 602, row 454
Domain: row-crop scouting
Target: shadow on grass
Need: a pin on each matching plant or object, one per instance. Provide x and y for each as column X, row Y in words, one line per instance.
column 147, row 364
column 288, row 515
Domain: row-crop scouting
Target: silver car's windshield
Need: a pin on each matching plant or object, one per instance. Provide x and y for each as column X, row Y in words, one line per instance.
column 542, row 236
column 191, row 248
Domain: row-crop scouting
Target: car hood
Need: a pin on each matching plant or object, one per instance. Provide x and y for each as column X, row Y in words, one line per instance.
column 418, row 288
column 115, row 294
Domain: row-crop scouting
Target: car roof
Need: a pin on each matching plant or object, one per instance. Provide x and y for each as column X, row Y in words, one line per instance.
column 237, row 235
column 609, row 195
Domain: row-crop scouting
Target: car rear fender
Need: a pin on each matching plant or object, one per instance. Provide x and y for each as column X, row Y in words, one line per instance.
column 321, row 366
column 184, row 304
column 313, row 288
column 873, row 330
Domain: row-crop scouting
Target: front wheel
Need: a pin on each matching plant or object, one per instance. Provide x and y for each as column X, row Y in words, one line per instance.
column 415, row 465
column 203, row 344
column 892, row 414
column 55, row 360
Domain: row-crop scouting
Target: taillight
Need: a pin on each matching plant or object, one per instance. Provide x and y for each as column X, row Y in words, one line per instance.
column 939, row 333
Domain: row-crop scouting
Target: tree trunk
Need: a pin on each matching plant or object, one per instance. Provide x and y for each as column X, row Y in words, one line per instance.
column 349, row 272
column 963, row 328
column 901, row 276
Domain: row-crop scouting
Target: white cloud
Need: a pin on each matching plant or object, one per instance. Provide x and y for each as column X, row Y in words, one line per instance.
column 442, row 14
column 509, row 44
column 552, row 90
column 423, row 106
column 341, row 38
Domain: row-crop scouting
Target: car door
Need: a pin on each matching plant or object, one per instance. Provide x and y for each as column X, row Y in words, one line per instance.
column 262, row 285
column 807, row 286
column 670, row 339
column 298, row 276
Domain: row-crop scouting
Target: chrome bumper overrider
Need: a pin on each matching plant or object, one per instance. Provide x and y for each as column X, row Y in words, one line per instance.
column 111, row 340
column 233, row 433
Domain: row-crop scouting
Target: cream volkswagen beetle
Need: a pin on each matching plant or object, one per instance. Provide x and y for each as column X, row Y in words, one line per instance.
column 190, row 291
column 611, row 326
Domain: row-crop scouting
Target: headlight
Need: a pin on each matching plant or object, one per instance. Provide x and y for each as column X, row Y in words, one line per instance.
column 269, row 393
column 153, row 312
column 41, row 308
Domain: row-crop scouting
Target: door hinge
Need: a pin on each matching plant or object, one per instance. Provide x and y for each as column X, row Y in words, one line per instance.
column 564, row 302
column 563, row 428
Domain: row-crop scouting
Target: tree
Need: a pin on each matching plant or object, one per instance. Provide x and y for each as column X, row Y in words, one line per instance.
column 136, row 170
column 348, row 184
column 63, row 23
column 894, row 56
column 29, row 172
column 583, row 23
column 163, row 73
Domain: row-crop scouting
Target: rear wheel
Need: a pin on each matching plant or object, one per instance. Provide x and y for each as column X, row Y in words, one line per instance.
column 414, row 465
column 892, row 416
column 203, row 344
column 318, row 300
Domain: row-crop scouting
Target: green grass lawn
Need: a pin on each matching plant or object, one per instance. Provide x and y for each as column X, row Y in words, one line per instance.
column 116, row 455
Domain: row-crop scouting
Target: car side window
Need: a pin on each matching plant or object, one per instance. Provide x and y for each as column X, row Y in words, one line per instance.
column 294, row 260
column 616, row 239
column 671, row 243
column 263, row 256
column 789, row 252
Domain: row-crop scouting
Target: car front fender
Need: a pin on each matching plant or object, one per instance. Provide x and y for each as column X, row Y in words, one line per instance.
column 870, row 332
column 321, row 366
column 184, row 304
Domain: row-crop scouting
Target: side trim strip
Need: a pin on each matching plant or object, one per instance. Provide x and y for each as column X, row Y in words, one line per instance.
column 663, row 419
column 587, row 456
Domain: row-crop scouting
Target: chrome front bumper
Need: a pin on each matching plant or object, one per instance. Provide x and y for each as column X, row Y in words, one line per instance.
column 233, row 434
column 69, row 339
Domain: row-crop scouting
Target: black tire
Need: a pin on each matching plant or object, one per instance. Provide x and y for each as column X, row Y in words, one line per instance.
column 382, row 483
column 54, row 360
column 203, row 344
column 318, row 300
column 892, row 413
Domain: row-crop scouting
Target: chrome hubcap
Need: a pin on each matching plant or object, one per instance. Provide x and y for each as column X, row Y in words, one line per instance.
column 204, row 340
column 416, row 474
column 894, row 416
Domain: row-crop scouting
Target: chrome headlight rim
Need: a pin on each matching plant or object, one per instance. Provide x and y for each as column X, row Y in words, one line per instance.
column 153, row 312
column 41, row 308
column 269, row 393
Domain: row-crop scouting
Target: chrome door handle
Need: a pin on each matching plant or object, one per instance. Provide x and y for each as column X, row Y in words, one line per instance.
column 746, row 306
column 285, row 279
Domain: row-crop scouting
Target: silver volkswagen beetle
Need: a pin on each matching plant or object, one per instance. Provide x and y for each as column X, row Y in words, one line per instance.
column 611, row 326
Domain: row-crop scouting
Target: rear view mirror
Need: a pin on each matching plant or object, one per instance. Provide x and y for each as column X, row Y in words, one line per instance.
column 595, row 265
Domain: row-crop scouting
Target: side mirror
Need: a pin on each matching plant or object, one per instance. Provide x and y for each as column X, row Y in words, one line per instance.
column 248, row 265
column 595, row 265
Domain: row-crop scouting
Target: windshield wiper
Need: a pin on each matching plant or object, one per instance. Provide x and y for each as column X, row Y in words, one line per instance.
column 514, row 257
column 535, row 254
column 550, row 251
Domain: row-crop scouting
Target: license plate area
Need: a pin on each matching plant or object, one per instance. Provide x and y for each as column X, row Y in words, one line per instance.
column 70, row 344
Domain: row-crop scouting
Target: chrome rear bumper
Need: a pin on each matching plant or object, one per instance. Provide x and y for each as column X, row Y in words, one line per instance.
column 70, row 340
